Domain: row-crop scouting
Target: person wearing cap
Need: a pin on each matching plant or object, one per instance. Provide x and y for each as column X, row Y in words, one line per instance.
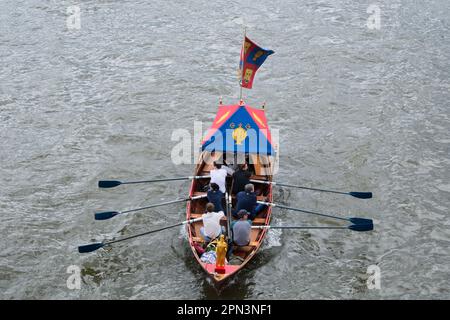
column 241, row 229
column 211, row 223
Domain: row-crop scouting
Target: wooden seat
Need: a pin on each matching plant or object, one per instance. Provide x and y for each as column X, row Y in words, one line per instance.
column 199, row 193
column 258, row 177
column 250, row 247
column 259, row 221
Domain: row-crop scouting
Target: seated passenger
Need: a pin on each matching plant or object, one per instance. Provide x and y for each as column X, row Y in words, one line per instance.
column 241, row 229
column 215, row 196
column 211, row 223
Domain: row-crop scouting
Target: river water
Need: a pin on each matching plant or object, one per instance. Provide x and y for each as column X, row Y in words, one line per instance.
column 358, row 106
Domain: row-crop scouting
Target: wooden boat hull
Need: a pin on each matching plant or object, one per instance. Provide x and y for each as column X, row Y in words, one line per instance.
column 195, row 208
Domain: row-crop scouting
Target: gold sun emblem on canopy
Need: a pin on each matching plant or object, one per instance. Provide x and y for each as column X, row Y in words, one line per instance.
column 239, row 134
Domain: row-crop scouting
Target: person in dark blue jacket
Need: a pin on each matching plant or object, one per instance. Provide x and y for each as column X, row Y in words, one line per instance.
column 247, row 200
column 215, row 196
column 241, row 178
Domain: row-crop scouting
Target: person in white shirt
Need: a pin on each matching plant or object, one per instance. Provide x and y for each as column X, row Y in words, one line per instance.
column 211, row 223
column 218, row 175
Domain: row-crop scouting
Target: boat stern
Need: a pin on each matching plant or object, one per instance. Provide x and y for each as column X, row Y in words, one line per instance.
column 218, row 277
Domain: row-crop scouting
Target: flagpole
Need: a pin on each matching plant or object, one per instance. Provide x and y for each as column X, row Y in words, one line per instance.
column 242, row 71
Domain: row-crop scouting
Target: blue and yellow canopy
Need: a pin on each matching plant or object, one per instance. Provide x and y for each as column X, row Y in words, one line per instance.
column 240, row 129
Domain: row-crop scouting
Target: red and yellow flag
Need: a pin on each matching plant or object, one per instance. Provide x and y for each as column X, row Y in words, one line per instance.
column 252, row 57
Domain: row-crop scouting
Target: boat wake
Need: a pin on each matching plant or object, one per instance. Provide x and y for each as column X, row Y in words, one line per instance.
column 183, row 233
column 273, row 237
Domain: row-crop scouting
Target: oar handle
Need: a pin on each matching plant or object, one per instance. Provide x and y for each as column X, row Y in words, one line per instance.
column 198, row 197
column 263, row 181
column 192, row 220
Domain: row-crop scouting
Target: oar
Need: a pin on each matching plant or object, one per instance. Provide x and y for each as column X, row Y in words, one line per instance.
column 354, row 227
column 109, row 214
column 228, row 211
column 360, row 195
column 355, row 221
column 115, row 183
column 94, row 246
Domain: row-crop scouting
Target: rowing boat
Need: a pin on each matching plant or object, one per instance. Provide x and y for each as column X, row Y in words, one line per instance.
column 238, row 124
column 239, row 134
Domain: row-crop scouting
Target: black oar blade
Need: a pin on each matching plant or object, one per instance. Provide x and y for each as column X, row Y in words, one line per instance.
column 105, row 215
column 361, row 195
column 361, row 227
column 361, row 221
column 90, row 247
column 108, row 183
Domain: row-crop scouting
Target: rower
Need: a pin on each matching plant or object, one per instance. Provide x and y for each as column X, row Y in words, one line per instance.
column 247, row 200
column 218, row 176
column 211, row 223
column 241, row 177
column 215, row 196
